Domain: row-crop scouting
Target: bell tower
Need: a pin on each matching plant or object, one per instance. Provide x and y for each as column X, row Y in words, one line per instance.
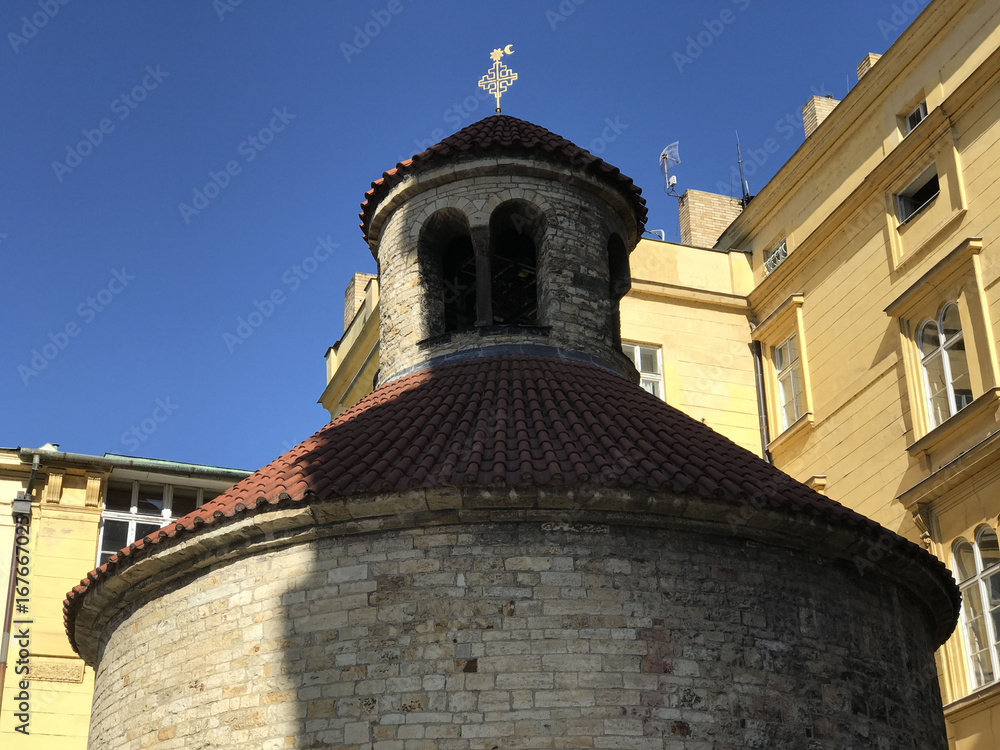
column 503, row 235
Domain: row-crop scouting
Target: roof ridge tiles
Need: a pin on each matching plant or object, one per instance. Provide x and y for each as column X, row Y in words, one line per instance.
column 503, row 133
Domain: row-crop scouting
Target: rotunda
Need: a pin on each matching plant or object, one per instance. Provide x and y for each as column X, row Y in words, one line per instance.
column 510, row 544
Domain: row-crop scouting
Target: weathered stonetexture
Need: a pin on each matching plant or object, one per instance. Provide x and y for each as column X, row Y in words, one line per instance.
column 518, row 635
column 575, row 307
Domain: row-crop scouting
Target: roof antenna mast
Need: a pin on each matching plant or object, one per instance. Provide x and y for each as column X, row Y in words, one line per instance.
column 670, row 154
column 743, row 183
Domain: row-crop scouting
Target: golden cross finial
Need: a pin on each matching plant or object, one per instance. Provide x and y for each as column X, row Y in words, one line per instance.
column 500, row 77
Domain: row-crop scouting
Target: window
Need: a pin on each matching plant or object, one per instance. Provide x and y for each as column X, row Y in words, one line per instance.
column 775, row 256
column 785, row 370
column 947, row 384
column 133, row 510
column 947, row 350
column 918, row 194
column 788, row 368
column 976, row 567
column 915, row 117
column 649, row 362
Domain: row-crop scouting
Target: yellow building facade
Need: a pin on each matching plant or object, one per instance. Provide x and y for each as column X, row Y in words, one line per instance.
column 82, row 509
column 844, row 322
column 876, row 272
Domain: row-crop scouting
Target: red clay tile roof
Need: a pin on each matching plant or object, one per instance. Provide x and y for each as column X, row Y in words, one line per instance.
column 501, row 133
column 504, row 421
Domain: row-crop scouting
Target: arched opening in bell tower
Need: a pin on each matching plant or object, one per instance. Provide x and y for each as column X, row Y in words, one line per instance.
column 515, row 230
column 620, row 281
column 448, row 272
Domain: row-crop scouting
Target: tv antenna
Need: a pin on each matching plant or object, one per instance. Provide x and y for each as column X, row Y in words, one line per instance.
column 744, row 187
column 670, row 154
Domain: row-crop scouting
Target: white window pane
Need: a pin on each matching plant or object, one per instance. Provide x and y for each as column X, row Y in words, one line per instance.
column 800, row 396
column 646, row 359
column 145, row 529
column 976, row 636
column 150, row 499
column 786, row 396
column 965, row 561
column 961, row 384
column 118, row 496
column 993, row 594
column 927, row 339
column 653, row 386
column 649, row 360
column 937, row 389
column 185, row 500
column 793, row 349
column 989, row 551
column 950, row 323
column 114, row 536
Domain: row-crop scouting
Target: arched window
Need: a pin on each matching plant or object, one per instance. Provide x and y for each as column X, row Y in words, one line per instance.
column 620, row 281
column 977, row 567
column 448, row 270
column 515, row 230
column 946, row 369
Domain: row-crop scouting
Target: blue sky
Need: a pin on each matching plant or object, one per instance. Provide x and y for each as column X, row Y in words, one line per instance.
column 124, row 290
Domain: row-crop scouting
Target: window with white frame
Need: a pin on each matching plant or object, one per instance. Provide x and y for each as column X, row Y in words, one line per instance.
column 788, row 370
column 912, row 199
column 977, row 567
column 134, row 509
column 947, row 384
column 774, row 256
column 649, row 362
column 915, row 117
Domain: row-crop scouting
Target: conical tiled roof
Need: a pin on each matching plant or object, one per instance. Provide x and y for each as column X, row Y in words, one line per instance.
column 516, row 420
column 511, row 136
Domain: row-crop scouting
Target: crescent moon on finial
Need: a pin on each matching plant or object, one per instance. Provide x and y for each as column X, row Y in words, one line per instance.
column 509, row 49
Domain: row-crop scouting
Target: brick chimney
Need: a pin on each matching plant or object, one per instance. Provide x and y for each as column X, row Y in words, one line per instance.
column 817, row 109
column 354, row 296
column 705, row 216
column 866, row 64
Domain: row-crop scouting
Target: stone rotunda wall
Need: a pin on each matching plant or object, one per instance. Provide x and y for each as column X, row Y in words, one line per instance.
column 522, row 635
